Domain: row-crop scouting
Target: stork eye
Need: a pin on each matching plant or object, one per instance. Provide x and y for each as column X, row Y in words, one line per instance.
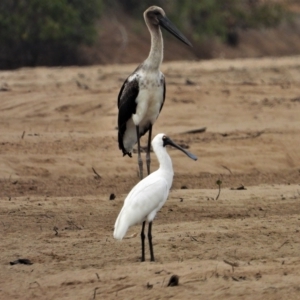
column 164, row 137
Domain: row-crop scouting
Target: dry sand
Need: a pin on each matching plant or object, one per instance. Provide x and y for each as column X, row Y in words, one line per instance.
column 59, row 123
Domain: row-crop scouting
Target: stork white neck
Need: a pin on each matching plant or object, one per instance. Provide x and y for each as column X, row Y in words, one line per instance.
column 156, row 54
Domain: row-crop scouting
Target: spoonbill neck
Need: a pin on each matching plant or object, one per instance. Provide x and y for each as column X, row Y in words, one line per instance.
column 165, row 162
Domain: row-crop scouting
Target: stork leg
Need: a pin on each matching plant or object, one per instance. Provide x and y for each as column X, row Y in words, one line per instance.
column 148, row 160
column 150, row 241
column 143, row 241
column 140, row 162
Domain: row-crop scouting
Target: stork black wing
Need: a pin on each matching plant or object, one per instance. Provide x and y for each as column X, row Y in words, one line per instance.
column 164, row 81
column 127, row 107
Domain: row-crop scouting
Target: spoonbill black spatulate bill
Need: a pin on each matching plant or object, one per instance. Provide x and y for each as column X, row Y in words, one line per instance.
column 149, row 195
column 142, row 95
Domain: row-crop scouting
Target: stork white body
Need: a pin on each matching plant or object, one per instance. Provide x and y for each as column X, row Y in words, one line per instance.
column 149, row 195
column 148, row 104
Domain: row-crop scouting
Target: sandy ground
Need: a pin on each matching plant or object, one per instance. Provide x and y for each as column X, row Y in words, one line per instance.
column 59, row 123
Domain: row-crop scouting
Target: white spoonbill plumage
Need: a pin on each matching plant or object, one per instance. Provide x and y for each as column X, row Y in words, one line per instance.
column 149, row 195
column 142, row 95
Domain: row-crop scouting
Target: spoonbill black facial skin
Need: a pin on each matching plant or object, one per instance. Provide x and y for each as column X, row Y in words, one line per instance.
column 149, row 195
column 142, row 95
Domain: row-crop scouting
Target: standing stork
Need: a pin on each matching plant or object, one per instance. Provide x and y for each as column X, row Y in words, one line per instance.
column 142, row 95
column 149, row 195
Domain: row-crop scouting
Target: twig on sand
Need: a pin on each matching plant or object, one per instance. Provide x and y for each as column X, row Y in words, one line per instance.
column 286, row 242
column 219, row 182
column 197, row 130
column 163, row 270
column 240, row 188
column 97, row 175
column 95, row 292
column 232, row 264
column 193, row 239
column 226, row 169
column 70, row 222
column 23, row 134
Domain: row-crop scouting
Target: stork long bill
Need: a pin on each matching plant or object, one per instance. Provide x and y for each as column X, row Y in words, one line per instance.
column 168, row 25
column 168, row 141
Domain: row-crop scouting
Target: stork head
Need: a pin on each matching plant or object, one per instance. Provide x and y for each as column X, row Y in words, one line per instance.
column 155, row 16
column 162, row 140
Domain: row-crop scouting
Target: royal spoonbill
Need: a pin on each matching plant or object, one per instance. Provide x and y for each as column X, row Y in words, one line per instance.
column 149, row 195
